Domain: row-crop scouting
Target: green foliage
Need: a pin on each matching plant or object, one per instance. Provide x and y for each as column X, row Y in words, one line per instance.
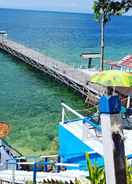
column 107, row 8
column 101, row 7
column 129, row 173
column 126, row 4
column 96, row 174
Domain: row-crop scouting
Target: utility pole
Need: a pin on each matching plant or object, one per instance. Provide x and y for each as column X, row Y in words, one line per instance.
column 102, row 24
column 113, row 140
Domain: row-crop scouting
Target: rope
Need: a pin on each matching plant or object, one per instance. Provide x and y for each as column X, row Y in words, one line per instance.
column 89, row 109
column 67, row 116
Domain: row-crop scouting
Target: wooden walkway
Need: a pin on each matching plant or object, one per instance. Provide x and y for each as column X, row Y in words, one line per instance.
column 74, row 78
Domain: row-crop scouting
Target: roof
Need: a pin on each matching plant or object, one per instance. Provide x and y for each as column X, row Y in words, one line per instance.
column 10, row 148
column 90, row 55
column 126, row 62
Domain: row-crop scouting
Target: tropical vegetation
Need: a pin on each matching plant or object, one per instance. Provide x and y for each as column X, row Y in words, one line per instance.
column 103, row 10
column 97, row 174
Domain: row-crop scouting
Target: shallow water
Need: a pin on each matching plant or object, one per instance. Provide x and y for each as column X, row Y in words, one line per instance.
column 30, row 100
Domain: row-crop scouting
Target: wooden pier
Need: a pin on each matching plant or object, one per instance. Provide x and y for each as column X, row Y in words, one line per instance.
column 75, row 78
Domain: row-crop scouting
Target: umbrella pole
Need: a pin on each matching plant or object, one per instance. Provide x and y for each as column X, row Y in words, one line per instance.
column 109, row 91
column 114, row 91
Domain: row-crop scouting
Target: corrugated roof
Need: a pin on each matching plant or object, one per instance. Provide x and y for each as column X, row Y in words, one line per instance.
column 126, row 61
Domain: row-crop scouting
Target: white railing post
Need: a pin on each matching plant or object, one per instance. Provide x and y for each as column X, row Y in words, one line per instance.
column 63, row 115
column 128, row 101
column 72, row 110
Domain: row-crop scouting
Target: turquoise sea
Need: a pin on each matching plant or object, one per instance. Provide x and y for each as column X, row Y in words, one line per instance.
column 30, row 100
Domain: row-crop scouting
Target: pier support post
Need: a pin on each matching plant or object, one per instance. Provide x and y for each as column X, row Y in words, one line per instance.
column 113, row 141
column 89, row 62
column 46, row 164
column 58, row 167
column 13, row 172
column 34, row 173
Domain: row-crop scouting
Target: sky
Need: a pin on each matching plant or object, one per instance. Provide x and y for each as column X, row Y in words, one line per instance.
column 51, row 5
column 55, row 5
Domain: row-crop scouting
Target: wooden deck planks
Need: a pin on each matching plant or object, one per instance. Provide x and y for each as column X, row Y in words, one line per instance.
column 74, row 78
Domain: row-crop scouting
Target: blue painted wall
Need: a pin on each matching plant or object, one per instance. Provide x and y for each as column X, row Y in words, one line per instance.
column 72, row 149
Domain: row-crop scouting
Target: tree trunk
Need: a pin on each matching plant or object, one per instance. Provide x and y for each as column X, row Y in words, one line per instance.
column 102, row 43
column 119, row 159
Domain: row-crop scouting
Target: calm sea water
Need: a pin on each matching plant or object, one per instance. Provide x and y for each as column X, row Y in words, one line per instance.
column 29, row 100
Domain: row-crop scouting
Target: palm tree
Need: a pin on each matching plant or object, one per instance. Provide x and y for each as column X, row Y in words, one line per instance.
column 103, row 10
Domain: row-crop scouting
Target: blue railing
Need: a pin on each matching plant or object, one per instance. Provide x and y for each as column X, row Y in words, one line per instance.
column 93, row 123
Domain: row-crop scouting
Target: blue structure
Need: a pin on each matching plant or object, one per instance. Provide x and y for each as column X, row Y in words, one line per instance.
column 110, row 105
column 73, row 149
column 84, row 135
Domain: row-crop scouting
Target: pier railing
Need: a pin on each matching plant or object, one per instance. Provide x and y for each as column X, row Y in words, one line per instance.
column 75, row 78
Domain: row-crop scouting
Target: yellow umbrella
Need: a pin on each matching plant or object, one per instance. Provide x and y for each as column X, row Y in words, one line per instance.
column 113, row 78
